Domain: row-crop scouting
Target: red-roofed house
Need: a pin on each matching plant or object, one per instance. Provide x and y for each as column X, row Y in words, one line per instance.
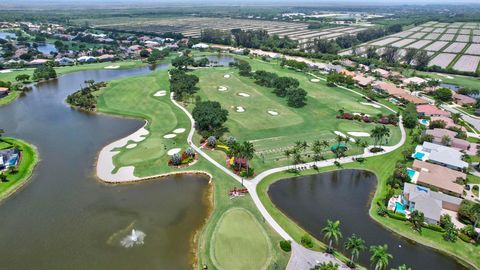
column 3, row 92
column 362, row 80
column 464, row 100
column 388, row 88
column 430, row 110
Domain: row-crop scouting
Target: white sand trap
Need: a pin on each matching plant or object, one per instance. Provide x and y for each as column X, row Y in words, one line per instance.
column 445, row 76
column 160, row 93
column 5, row 71
column 314, row 80
column 111, row 67
column 169, row 136
column 243, row 94
column 130, row 146
column 173, row 151
column 105, row 164
column 179, row 130
column 361, row 114
column 371, row 104
column 343, row 135
column 274, row 113
column 226, row 76
column 358, row 134
column 222, row 88
column 240, row 109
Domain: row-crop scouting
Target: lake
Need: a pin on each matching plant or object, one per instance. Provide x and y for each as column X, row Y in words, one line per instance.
column 65, row 218
column 346, row 195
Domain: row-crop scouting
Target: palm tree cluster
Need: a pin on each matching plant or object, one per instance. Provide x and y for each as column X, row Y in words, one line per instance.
column 317, row 149
column 244, row 151
column 354, row 244
column 379, row 133
column 297, row 152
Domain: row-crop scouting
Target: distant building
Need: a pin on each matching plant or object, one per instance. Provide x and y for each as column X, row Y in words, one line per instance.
column 87, row 59
column 442, row 178
column 64, row 61
column 441, row 155
column 200, row 46
column 464, row 100
column 430, row 110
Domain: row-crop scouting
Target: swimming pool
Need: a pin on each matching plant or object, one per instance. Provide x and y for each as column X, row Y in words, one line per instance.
column 410, row 172
column 424, row 122
column 419, row 155
column 399, row 208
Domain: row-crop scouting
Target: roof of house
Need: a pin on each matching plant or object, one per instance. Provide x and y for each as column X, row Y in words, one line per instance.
column 411, row 98
column 431, row 110
column 363, row 80
column 382, row 72
column 428, row 202
column 38, row 61
column 438, row 176
column 447, row 120
column 445, row 155
column 438, row 133
column 347, row 73
column 3, row 89
column 463, row 99
column 389, row 88
column 414, row 80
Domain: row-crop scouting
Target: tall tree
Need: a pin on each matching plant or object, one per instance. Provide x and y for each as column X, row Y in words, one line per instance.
column 355, row 245
column 332, row 232
column 380, row 257
column 417, row 218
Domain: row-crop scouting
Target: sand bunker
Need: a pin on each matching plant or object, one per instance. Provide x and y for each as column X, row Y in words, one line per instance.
column 169, row 136
column 105, row 164
column 111, row 67
column 173, row 151
column 344, row 136
column 5, row 71
column 314, row 80
column 243, row 94
column 226, row 76
column 361, row 114
column 274, row 113
column 222, row 88
column 130, row 146
column 240, row 109
column 371, row 104
column 445, row 76
column 179, row 130
column 359, row 134
column 160, row 93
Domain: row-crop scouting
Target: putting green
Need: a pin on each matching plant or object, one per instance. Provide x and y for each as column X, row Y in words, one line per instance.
column 272, row 135
column 239, row 242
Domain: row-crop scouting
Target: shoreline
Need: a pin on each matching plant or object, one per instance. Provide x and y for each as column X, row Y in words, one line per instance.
column 21, row 183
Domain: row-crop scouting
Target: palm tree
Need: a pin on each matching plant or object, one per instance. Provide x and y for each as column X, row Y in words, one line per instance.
column 3, row 177
column 332, row 232
column 326, row 266
column 248, row 152
column 355, row 244
column 237, row 151
column 403, row 267
column 417, row 218
column 380, row 257
column 376, row 134
column 317, row 148
column 385, row 132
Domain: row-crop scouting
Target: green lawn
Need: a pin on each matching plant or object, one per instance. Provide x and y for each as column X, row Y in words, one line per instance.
column 12, row 95
column 465, row 81
column 239, row 242
column 271, row 135
column 383, row 167
column 133, row 97
column 25, row 168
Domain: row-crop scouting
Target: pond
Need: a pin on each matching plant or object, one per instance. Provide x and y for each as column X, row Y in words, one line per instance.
column 345, row 195
column 4, row 35
column 65, row 218
column 46, row 48
column 218, row 60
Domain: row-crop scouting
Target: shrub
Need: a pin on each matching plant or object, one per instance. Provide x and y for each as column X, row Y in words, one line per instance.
column 190, row 152
column 307, row 241
column 286, row 245
column 176, row 159
column 376, row 150
column 382, row 211
column 434, row 227
column 212, row 141
column 397, row 216
column 464, row 237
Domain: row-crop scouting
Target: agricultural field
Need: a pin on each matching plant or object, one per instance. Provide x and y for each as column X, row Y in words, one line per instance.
column 259, row 116
column 450, row 45
column 192, row 27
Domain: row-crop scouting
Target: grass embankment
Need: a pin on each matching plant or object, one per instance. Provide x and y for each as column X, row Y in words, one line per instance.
column 133, row 97
column 10, row 76
column 29, row 159
column 383, row 167
column 272, row 135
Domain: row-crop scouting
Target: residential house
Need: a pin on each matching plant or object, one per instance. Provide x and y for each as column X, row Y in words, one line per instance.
column 414, row 80
column 411, row 98
column 442, row 155
column 38, row 62
column 200, row 46
column 347, row 73
column 363, row 80
column 439, row 133
column 9, row 158
column 430, row 110
column 64, row 61
column 106, row 57
column 388, row 88
column 448, row 121
column 429, row 202
column 464, row 100
column 381, row 72
column 442, row 178
column 86, row 59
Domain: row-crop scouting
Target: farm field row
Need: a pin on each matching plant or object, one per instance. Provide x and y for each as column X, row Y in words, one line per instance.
column 455, row 45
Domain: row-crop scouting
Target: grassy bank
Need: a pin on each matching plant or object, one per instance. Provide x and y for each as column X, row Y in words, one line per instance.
column 25, row 169
column 383, row 167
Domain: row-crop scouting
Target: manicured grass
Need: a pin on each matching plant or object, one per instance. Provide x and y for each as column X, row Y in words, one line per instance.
column 133, row 97
column 460, row 80
column 9, row 98
column 272, row 135
column 240, row 242
column 383, row 167
column 69, row 69
column 25, row 168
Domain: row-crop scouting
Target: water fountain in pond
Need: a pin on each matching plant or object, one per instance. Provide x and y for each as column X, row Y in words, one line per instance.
column 135, row 238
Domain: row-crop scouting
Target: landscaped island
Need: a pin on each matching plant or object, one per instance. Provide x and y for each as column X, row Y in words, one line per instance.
column 17, row 162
